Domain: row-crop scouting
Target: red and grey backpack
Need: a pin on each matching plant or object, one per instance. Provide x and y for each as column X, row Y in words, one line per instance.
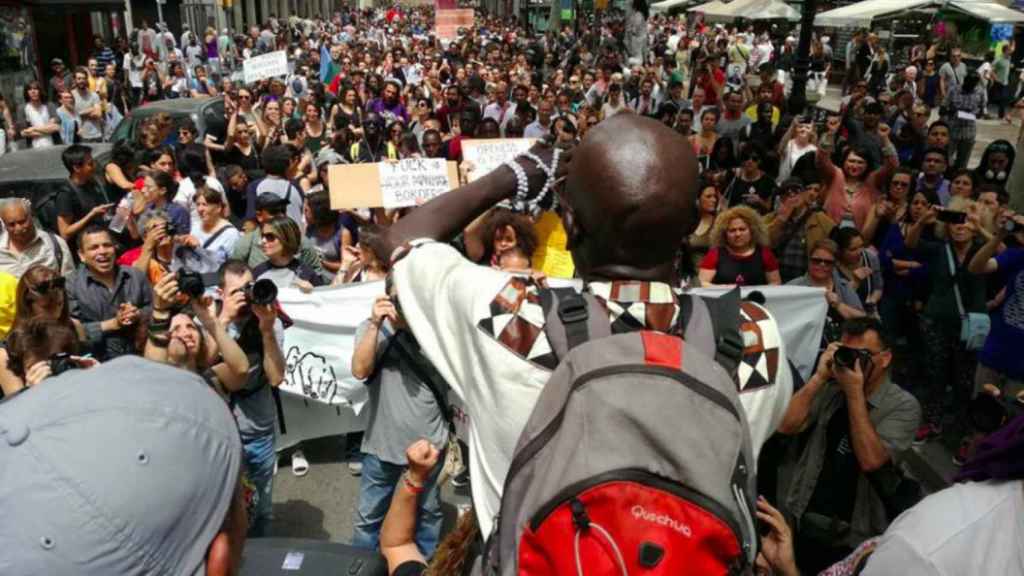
column 637, row 456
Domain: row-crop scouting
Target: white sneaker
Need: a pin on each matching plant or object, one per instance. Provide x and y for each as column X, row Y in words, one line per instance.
column 355, row 468
column 300, row 466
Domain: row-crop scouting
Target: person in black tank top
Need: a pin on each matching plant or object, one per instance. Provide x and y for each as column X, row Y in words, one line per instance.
column 739, row 254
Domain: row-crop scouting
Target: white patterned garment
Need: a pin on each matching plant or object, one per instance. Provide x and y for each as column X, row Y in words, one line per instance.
column 483, row 329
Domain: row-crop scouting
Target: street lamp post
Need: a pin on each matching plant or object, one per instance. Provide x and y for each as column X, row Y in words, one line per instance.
column 798, row 95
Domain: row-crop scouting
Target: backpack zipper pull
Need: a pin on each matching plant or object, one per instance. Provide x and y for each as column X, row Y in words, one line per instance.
column 579, row 514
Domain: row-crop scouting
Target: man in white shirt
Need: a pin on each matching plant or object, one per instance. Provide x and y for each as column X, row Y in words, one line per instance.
column 23, row 246
column 501, row 109
column 626, row 205
column 541, row 127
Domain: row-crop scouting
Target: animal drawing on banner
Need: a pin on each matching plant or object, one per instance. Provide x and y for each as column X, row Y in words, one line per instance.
column 312, row 373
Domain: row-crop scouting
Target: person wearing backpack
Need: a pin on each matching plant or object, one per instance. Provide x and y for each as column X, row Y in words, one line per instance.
column 406, row 403
column 839, row 485
column 684, row 438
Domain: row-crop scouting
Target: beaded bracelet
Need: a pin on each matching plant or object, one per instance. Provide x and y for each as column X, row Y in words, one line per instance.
column 412, row 486
column 521, row 199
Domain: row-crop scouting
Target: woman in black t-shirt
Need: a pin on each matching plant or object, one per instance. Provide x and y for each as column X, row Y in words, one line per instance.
column 751, row 186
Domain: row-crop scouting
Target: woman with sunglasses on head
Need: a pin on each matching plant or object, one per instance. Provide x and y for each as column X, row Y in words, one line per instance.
column 40, row 294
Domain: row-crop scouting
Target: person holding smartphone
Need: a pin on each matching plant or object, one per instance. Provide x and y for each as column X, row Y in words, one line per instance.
column 954, row 293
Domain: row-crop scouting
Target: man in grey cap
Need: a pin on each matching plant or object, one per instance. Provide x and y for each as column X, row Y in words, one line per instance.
column 164, row 500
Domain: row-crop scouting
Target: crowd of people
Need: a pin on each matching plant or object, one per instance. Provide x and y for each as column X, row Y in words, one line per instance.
column 671, row 154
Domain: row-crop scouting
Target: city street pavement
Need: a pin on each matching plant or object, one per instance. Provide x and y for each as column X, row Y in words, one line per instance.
column 321, row 504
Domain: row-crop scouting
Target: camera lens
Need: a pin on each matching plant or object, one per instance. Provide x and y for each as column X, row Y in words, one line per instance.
column 845, row 357
column 262, row 292
column 190, row 283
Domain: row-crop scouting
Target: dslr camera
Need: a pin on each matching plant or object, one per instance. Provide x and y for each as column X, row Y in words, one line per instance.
column 846, row 357
column 190, row 283
column 262, row 292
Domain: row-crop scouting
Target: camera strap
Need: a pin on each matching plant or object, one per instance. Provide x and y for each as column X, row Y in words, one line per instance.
column 956, row 282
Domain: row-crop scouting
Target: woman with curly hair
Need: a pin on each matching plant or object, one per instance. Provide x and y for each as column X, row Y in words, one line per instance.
column 739, row 253
column 498, row 232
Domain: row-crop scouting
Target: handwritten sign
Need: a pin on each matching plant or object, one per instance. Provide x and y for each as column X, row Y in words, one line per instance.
column 412, row 181
column 390, row 184
column 265, row 66
column 486, row 155
column 551, row 256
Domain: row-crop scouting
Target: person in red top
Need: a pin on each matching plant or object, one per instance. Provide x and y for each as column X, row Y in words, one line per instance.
column 711, row 78
column 739, row 254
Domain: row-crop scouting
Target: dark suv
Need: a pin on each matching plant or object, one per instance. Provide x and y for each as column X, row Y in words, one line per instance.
column 39, row 175
column 207, row 113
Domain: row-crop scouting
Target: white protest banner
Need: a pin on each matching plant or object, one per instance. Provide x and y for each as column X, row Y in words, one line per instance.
column 486, row 155
column 321, row 398
column 265, row 66
column 412, row 181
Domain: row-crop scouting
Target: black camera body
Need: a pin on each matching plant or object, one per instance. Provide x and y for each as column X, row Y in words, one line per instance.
column 61, row 362
column 1011, row 226
column 846, row 357
column 262, row 292
column 190, row 283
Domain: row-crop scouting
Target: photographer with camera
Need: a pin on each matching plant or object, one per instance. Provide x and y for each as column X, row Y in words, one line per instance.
column 839, row 485
column 249, row 313
column 178, row 338
column 44, row 347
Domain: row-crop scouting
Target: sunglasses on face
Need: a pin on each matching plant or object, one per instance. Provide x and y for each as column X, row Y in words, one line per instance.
column 269, row 237
column 244, row 97
column 823, row 262
column 46, row 286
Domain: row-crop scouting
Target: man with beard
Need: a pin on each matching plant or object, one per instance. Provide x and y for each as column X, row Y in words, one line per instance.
column 389, row 106
column 373, row 147
column 87, row 108
column 109, row 300
column 453, row 105
column 870, row 134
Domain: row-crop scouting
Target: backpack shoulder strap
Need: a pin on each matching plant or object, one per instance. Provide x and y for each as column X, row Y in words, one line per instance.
column 58, row 254
column 571, row 318
column 213, row 238
column 725, row 322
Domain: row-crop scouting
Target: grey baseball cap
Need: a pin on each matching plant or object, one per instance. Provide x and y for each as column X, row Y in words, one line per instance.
column 127, row 468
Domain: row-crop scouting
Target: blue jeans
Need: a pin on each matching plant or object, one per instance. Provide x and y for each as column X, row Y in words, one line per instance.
column 376, row 487
column 259, row 467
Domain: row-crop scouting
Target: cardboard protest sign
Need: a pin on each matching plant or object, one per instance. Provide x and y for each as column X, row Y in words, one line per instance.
column 390, row 184
column 486, row 155
column 265, row 66
column 551, row 256
column 448, row 22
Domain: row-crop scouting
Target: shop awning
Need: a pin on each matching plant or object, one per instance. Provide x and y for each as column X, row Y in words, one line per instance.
column 861, row 14
column 714, row 4
column 989, row 11
column 752, row 10
column 666, row 5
